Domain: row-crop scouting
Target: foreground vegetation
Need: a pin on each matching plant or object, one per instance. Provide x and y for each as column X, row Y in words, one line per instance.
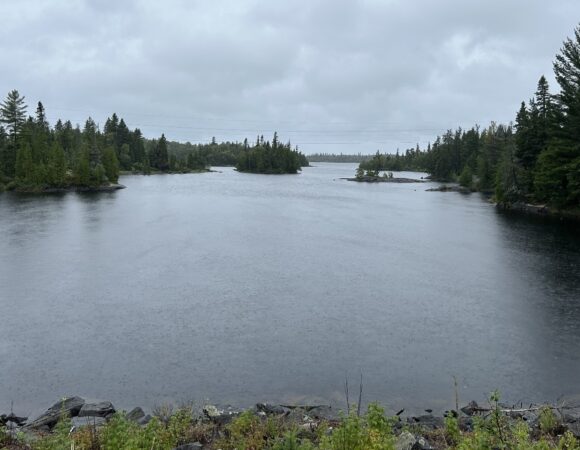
column 535, row 160
column 494, row 429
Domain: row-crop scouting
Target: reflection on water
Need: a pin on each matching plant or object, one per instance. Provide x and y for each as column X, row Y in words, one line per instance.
column 242, row 288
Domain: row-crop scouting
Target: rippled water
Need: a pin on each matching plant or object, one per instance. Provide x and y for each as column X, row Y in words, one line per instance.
column 242, row 288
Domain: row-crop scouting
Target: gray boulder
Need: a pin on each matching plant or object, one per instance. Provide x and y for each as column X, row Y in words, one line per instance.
column 135, row 414
column 323, row 412
column 100, row 409
column 470, row 409
column 144, row 420
column 272, row 410
column 405, row 441
column 66, row 407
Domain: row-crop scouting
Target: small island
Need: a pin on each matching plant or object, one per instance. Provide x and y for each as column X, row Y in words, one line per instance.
column 383, row 179
column 374, row 176
column 272, row 158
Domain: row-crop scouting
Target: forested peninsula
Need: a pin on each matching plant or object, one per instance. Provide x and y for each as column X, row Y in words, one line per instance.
column 35, row 157
column 535, row 160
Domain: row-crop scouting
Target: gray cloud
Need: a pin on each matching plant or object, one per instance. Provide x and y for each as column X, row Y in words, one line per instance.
column 330, row 75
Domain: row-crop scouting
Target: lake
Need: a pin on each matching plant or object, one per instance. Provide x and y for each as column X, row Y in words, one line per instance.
column 238, row 288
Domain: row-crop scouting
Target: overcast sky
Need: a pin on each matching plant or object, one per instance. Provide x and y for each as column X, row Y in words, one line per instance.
column 332, row 75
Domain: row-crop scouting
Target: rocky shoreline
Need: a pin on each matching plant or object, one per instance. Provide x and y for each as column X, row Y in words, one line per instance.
column 410, row 432
column 450, row 188
column 540, row 210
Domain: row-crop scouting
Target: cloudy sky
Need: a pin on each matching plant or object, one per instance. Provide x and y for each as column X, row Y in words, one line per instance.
column 330, row 75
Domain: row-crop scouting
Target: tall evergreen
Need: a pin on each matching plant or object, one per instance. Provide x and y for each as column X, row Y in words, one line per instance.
column 159, row 158
column 13, row 113
column 557, row 178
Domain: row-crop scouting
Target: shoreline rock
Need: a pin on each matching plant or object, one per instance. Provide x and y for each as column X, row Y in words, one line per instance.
column 70, row 406
column 411, row 432
column 531, row 209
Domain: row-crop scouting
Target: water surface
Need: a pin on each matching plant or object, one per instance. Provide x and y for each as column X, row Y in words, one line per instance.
column 242, row 288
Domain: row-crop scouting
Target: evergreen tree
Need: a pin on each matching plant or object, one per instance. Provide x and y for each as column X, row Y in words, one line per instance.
column 524, row 151
column 556, row 172
column 57, row 165
column 4, row 149
column 13, row 113
column 137, row 147
column 41, row 117
column 24, row 166
column 111, row 164
column 90, row 143
column 466, row 177
column 161, row 155
column 83, row 169
column 567, row 72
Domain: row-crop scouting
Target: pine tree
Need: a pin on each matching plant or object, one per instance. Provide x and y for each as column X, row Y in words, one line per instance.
column 524, row 151
column 13, row 113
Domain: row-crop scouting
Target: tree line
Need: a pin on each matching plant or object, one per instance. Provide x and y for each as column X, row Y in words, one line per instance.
column 260, row 156
column 338, row 158
column 534, row 159
column 35, row 156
